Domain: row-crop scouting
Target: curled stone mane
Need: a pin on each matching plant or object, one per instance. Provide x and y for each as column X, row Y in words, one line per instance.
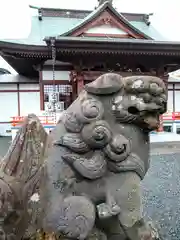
column 88, row 182
column 96, row 160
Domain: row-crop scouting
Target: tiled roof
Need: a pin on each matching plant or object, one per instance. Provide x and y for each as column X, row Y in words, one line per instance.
column 49, row 26
column 98, row 11
column 54, row 26
column 148, row 30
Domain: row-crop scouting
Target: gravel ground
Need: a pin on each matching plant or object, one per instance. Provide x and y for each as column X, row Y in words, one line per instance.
column 161, row 187
column 161, row 192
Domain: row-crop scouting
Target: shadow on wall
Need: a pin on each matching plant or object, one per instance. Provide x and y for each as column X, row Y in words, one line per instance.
column 4, row 145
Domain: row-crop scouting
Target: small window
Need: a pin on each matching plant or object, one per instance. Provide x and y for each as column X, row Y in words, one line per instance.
column 8, row 131
column 167, row 128
column 178, row 130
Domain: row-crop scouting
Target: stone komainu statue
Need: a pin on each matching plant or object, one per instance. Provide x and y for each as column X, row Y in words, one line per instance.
column 100, row 154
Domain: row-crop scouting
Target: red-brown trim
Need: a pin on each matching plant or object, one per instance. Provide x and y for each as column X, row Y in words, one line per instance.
column 18, row 100
column 14, row 83
column 106, row 18
column 10, row 91
column 174, row 83
column 174, row 99
column 41, row 86
column 5, row 122
column 80, row 83
column 73, row 82
column 174, row 89
column 106, row 35
column 56, row 82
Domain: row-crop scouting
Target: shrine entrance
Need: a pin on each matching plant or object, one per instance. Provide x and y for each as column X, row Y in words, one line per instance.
column 58, row 96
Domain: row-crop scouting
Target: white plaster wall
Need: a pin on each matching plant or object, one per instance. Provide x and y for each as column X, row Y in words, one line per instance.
column 8, row 87
column 8, row 106
column 177, row 86
column 170, row 101
column 105, row 29
column 28, row 86
column 170, row 86
column 176, row 96
column 5, row 129
column 174, row 77
column 177, row 101
column 59, row 75
column 29, row 103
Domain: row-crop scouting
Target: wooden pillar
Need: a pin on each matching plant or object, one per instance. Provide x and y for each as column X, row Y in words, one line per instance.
column 73, row 82
column 160, row 72
column 160, row 129
column 165, row 79
column 77, row 82
column 80, row 83
column 18, row 100
column 174, row 100
column 41, row 86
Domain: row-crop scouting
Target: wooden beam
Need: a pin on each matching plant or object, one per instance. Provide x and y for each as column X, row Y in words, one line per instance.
column 41, row 91
column 18, row 100
column 56, row 82
column 106, row 35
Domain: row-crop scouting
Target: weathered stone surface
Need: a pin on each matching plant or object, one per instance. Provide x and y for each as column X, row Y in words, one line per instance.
column 99, row 157
column 160, row 188
column 20, row 174
column 89, row 185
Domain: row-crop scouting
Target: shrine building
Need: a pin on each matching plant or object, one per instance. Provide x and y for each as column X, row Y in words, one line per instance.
column 68, row 48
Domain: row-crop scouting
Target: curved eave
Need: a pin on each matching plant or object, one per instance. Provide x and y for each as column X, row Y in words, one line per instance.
column 91, row 45
column 22, row 47
column 23, row 57
column 119, row 46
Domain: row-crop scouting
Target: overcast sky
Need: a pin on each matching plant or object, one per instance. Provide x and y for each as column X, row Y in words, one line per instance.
column 15, row 14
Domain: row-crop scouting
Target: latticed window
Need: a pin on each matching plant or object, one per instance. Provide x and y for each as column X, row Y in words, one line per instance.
column 61, row 93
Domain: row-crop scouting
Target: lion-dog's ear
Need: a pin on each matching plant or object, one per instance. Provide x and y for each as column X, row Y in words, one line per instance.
column 106, row 84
